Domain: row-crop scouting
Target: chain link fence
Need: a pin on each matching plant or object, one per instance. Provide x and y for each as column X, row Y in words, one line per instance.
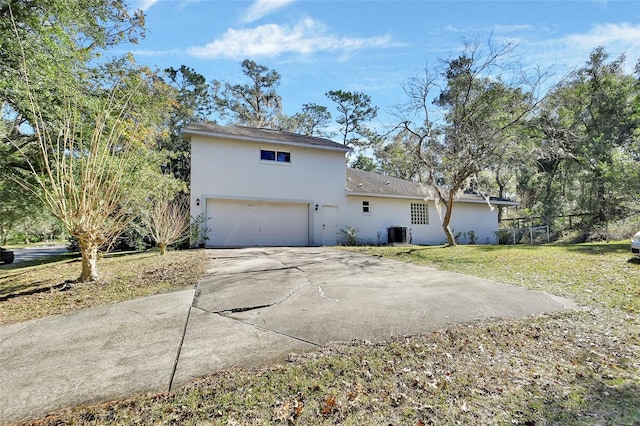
column 531, row 235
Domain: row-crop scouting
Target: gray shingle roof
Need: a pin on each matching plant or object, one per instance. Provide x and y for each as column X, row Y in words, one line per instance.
column 360, row 182
column 369, row 183
column 262, row 135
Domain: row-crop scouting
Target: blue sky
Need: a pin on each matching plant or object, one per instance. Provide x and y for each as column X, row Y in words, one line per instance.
column 373, row 46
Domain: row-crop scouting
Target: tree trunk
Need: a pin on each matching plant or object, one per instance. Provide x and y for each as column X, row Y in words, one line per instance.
column 89, row 251
column 163, row 248
column 451, row 242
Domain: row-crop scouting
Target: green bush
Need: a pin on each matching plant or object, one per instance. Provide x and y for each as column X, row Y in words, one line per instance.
column 349, row 236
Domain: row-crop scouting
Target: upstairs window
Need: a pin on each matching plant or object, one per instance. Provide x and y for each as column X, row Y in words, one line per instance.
column 283, row 157
column 267, row 155
column 277, row 156
column 419, row 214
column 366, row 207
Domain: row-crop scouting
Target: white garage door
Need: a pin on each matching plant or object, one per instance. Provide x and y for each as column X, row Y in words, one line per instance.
column 257, row 223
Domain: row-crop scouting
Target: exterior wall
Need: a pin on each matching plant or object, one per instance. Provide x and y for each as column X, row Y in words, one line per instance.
column 476, row 217
column 384, row 213
column 232, row 170
column 387, row 212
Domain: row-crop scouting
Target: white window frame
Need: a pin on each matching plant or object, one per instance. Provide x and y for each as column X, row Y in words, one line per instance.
column 275, row 160
column 366, row 207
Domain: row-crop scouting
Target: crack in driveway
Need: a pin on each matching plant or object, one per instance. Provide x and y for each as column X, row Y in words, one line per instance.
column 184, row 333
column 227, row 313
column 305, row 277
column 223, row 314
column 252, row 271
column 322, row 294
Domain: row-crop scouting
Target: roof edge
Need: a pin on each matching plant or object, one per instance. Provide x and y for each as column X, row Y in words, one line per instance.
column 381, row 195
column 495, row 202
column 213, row 134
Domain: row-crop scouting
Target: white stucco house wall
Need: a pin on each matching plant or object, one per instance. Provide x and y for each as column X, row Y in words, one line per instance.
column 263, row 187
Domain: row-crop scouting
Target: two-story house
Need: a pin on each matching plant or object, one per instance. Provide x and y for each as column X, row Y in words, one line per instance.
column 263, row 187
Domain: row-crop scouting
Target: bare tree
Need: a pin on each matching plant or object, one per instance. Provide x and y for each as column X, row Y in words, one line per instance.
column 167, row 221
column 86, row 180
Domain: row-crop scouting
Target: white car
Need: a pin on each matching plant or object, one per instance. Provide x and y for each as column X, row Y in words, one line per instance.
column 635, row 245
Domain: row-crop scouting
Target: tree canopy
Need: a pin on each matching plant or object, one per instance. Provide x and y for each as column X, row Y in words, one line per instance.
column 477, row 122
column 255, row 104
column 354, row 111
column 81, row 131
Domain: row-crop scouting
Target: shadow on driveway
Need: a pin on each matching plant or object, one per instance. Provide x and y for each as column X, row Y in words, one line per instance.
column 254, row 307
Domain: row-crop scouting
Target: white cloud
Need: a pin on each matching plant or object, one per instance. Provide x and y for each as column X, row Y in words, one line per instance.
column 143, row 4
column 606, row 34
column 261, row 8
column 572, row 51
column 307, row 37
column 512, row 28
column 154, row 53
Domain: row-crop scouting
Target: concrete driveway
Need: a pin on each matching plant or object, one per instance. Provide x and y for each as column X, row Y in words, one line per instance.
column 254, row 307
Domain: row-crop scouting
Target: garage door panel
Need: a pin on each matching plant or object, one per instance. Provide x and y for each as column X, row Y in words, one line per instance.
column 257, row 223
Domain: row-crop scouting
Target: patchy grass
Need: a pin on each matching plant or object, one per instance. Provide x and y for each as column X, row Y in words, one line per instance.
column 37, row 289
column 577, row 368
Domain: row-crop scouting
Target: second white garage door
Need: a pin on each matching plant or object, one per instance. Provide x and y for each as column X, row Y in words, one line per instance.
column 257, row 223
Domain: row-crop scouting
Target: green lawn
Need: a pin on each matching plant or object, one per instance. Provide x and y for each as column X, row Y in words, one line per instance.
column 591, row 274
column 571, row 368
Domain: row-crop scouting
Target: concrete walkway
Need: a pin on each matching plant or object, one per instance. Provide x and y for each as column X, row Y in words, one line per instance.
column 253, row 308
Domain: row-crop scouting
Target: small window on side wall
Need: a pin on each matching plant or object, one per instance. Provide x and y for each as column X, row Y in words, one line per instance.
column 267, row 155
column 366, row 207
column 284, row 157
column 277, row 156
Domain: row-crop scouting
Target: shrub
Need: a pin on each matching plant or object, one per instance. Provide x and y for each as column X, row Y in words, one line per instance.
column 349, row 236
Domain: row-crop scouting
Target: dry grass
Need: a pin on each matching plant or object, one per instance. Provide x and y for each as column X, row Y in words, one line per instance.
column 575, row 369
column 123, row 277
column 578, row 368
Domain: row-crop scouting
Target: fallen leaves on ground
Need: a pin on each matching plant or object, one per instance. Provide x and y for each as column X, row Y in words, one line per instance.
column 122, row 278
column 572, row 368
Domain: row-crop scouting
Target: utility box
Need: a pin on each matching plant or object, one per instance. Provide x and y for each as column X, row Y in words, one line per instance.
column 397, row 235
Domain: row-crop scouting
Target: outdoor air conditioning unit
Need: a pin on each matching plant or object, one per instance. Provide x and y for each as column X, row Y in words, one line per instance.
column 397, row 235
